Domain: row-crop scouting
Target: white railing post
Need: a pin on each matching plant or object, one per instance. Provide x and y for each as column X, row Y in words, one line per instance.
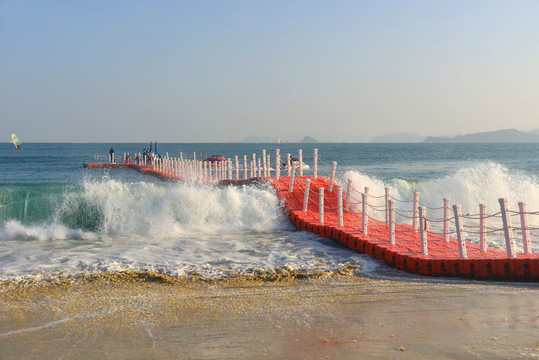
column 415, row 210
column 306, row 194
column 245, row 164
column 387, row 203
column 460, row 236
column 259, row 167
column 300, row 161
column 391, row 222
column 482, row 228
column 291, row 185
column 507, row 229
column 277, row 163
column 229, row 168
column 315, row 163
column 423, row 231
column 253, row 171
column 321, row 205
column 339, row 206
column 332, row 179
column 268, row 162
column 264, row 163
column 348, row 191
column 446, row 219
column 524, row 228
column 288, row 165
column 237, row 163
column 364, row 211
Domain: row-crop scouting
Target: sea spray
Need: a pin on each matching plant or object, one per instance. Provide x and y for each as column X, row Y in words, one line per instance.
column 483, row 183
column 171, row 228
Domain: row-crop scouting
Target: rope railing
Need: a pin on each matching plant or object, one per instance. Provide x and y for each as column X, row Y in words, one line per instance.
column 398, row 212
column 401, row 201
column 431, row 208
column 377, row 208
column 472, row 228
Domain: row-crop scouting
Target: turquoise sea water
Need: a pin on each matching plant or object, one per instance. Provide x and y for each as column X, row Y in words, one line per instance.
column 58, row 218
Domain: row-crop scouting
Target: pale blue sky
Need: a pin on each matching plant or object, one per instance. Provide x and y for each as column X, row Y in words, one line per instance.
column 223, row 70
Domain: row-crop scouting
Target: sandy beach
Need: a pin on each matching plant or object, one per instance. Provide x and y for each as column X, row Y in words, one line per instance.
column 139, row 316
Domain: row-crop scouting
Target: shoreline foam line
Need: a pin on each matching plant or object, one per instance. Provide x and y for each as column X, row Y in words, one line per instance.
column 444, row 257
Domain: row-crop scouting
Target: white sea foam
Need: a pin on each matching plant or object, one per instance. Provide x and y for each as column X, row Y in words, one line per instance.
column 484, row 183
column 14, row 230
column 173, row 228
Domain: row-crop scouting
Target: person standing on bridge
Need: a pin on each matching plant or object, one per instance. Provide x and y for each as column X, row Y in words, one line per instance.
column 111, row 154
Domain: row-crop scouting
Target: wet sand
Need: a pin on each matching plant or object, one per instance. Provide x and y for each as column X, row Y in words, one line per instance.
column 340, row 317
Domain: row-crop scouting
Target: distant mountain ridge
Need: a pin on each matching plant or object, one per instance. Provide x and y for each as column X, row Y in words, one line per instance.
column 505, row 135
column 498, row 136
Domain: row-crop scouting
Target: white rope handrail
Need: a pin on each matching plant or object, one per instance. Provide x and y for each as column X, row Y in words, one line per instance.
column 478, row 216
column 431, row 208
column 436, row 220
column 486, row 232
column 402, row 201
column 377, row 206
column 404, row 216
column 375, row 209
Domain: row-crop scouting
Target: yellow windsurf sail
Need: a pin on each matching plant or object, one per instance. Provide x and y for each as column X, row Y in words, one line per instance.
column 15, row 140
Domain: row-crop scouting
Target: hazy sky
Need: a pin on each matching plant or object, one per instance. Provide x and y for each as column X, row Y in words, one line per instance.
column 172, row 71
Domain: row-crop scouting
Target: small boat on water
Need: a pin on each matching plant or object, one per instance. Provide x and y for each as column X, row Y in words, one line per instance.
column 216, row 159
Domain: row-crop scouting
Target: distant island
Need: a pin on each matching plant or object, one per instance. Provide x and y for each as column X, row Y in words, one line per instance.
column 308, row 139
column 498, row 136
